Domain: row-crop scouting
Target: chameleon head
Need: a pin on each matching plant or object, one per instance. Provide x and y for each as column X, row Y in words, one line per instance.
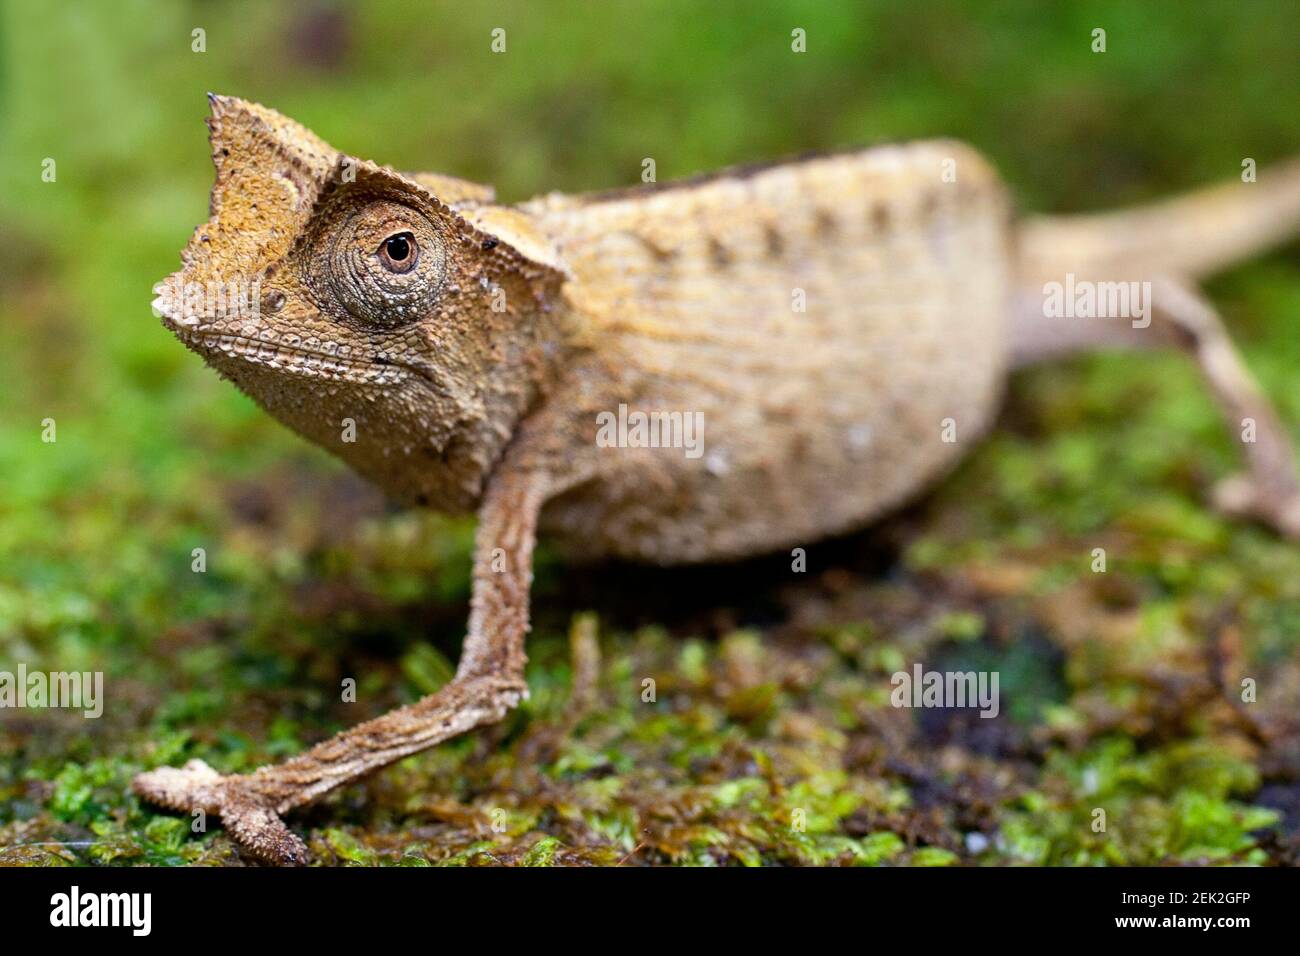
column 352, row 304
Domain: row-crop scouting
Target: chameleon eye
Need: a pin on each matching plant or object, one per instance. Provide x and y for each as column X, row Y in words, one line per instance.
column 399, row 253
column 383, row 262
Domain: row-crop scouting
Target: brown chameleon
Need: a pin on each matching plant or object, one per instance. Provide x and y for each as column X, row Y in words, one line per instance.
column 838, row 328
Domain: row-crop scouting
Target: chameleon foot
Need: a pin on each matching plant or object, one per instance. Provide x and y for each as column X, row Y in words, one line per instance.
column 1241, row 496
column 248, row 816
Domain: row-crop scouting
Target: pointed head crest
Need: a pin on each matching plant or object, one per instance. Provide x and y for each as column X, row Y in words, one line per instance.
column 269, row 170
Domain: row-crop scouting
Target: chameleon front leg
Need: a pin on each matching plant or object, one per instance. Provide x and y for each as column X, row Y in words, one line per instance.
column 488, row 682
column 1268, row 489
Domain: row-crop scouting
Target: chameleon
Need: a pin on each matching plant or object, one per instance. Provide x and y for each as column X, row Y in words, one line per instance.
column 840, row 327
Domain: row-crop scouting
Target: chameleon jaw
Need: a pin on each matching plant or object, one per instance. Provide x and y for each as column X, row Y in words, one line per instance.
column 294, row 360
column 216, row 340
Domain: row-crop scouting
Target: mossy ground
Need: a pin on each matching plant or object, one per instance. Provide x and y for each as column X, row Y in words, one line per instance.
column 771, row 738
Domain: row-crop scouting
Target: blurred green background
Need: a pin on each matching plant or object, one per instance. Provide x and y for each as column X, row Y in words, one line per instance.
column 772, row 693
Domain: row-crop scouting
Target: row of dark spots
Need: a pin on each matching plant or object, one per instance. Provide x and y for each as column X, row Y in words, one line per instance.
column 825, row 227
column 881, row 216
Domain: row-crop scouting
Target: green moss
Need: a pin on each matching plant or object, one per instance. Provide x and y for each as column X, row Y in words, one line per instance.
column 1111, row 805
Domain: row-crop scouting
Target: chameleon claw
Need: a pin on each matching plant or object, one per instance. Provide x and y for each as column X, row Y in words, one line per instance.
column 192, row 787
column 258, row 828
column 252, row 823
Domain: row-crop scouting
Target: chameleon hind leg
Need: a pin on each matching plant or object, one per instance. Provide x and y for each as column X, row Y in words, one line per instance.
column 488, row 682
column 1267, row 490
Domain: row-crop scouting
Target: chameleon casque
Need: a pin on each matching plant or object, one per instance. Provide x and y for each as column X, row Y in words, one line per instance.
column 474, row 345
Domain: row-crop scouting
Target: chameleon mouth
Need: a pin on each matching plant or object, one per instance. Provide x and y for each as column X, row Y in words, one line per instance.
column 286, row 355
column 294, row 359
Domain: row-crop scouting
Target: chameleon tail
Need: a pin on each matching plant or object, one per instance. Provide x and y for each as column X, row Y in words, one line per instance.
column 1191, row 236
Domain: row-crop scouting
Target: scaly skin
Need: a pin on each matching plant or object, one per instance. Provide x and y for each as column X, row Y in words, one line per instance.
column 843, row 325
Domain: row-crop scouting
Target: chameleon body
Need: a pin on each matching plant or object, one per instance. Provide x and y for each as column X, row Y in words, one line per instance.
column 840, row 326
column 824, row 317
